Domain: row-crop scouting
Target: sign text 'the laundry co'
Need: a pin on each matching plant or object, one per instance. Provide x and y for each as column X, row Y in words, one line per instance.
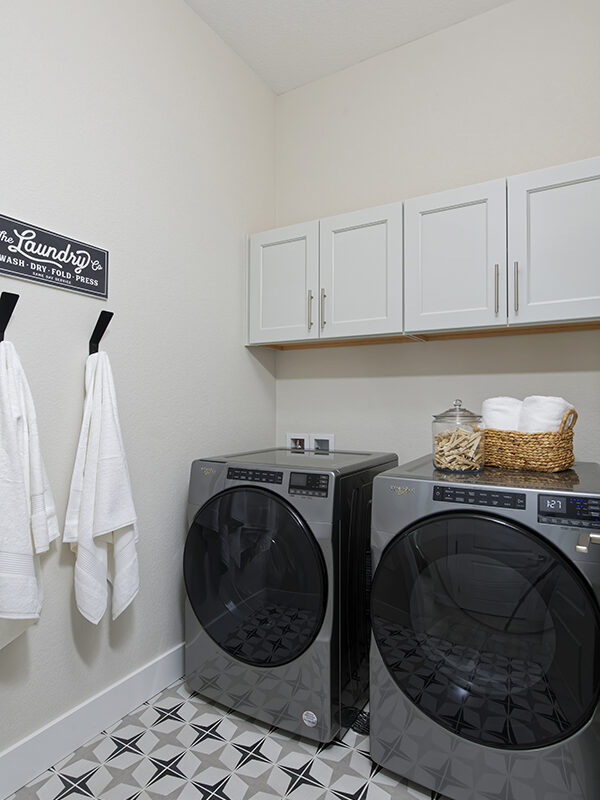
column 35, row 254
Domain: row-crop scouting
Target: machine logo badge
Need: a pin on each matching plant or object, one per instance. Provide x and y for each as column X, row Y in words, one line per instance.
column 207, row 471
column 400, row 490
column 309, row 718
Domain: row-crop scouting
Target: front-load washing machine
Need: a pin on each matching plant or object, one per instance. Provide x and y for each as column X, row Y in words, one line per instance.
column 276, row 568
column 485, row 662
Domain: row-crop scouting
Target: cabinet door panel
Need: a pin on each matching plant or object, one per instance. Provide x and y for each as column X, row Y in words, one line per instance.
column 284, row 269
column 455, row 256
column 361, row 272
column 554, row 243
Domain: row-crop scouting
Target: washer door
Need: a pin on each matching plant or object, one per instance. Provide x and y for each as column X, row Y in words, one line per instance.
column 255, row 576
column 488, row 629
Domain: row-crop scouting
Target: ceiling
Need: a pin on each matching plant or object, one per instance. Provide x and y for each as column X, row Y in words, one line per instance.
column 292, row 42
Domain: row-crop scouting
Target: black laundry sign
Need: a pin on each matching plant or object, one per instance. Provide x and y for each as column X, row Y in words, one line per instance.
column 34, row 254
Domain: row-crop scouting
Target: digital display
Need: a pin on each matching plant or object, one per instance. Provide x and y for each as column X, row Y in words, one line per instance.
column 298, row 479
column 569, row 511
column 309, row 484
column 553, row 505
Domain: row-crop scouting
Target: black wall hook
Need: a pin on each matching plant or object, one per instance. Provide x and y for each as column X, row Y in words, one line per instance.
column 8, row 301
column 98, row 332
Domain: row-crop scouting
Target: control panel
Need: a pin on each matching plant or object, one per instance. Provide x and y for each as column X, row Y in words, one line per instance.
column 479, row 497
column 568, row 510
column 256, row 475
column 310, row 484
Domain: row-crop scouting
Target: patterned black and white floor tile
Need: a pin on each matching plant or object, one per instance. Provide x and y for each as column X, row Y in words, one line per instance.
column 177, row 746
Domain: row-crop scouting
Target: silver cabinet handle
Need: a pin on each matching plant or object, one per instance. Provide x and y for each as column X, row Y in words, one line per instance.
column 310, row 299
column 323, row 296
column 584, row 540
column 496, row 289
column 516, row 273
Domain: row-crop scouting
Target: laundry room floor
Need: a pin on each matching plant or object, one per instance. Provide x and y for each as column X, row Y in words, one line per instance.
column 177, row 746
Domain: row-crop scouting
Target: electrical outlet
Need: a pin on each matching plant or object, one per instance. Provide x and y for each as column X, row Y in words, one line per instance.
column 297, row 441
column 321, row 442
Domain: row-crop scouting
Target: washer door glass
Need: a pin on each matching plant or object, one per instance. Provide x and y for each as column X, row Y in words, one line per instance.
column 255, row 576
column 489, row 630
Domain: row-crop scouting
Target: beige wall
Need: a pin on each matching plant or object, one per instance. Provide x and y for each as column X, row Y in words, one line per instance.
column 512, row 90
column 382, row 397
column 128, row 124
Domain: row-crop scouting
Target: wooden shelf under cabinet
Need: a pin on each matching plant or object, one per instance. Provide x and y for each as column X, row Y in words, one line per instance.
column 559, row 327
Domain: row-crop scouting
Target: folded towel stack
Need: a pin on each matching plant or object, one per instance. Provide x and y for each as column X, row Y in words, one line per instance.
column 27, row 515
column 101, row 521
column 535, row 414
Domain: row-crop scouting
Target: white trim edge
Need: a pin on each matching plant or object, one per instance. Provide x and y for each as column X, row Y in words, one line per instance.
column 27, row 759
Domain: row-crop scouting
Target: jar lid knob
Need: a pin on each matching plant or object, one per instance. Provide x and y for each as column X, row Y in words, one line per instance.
column 458, row 403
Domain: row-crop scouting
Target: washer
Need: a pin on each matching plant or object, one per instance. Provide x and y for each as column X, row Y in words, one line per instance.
column 485, row 661
column 276, row 575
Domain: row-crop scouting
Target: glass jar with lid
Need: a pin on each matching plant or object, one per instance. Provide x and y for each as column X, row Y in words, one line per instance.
column 458, row 441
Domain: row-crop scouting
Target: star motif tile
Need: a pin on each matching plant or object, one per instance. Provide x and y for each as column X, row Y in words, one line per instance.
column 178, row 746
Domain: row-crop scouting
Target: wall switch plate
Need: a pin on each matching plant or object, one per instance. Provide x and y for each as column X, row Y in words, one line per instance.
column 297, row 441
column 321, row 442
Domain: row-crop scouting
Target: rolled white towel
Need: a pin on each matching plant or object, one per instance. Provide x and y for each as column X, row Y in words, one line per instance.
column 541, row 414
column 501, row 413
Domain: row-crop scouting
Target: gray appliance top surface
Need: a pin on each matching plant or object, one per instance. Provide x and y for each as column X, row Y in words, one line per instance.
column 341, row 460
column 584, row 476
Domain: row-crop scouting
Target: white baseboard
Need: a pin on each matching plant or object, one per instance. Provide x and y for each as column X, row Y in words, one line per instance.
column 28, row 758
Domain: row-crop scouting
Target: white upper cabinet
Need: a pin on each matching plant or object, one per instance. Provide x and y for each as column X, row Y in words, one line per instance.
column 361, row 273
column 554, row 243
column 345, row 282
column 283, row 284
column 455, row 258
column 518, row 251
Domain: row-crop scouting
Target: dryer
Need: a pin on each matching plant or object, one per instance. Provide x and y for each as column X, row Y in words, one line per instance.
column 276, row 573
column 485, row 661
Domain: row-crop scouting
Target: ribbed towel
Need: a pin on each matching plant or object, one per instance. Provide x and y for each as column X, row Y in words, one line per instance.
column 101, row 522
column 27, row 514
column 501, row 413
column 541, row 414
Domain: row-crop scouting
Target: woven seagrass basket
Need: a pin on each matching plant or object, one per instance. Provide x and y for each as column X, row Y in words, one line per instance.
column 541, row 452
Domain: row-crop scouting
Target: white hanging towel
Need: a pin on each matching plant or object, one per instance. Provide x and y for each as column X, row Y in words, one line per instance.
column 501, row 413
column 27, row 515
column 542, row 414
column 101, row 522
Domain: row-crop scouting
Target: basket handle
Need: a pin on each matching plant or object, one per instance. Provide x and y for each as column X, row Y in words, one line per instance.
column 568, row 421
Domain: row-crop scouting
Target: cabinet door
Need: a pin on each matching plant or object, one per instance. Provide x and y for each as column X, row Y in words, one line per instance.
column 455, row 257
column 361, row 272
column 283, row 284
column 554, row 243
